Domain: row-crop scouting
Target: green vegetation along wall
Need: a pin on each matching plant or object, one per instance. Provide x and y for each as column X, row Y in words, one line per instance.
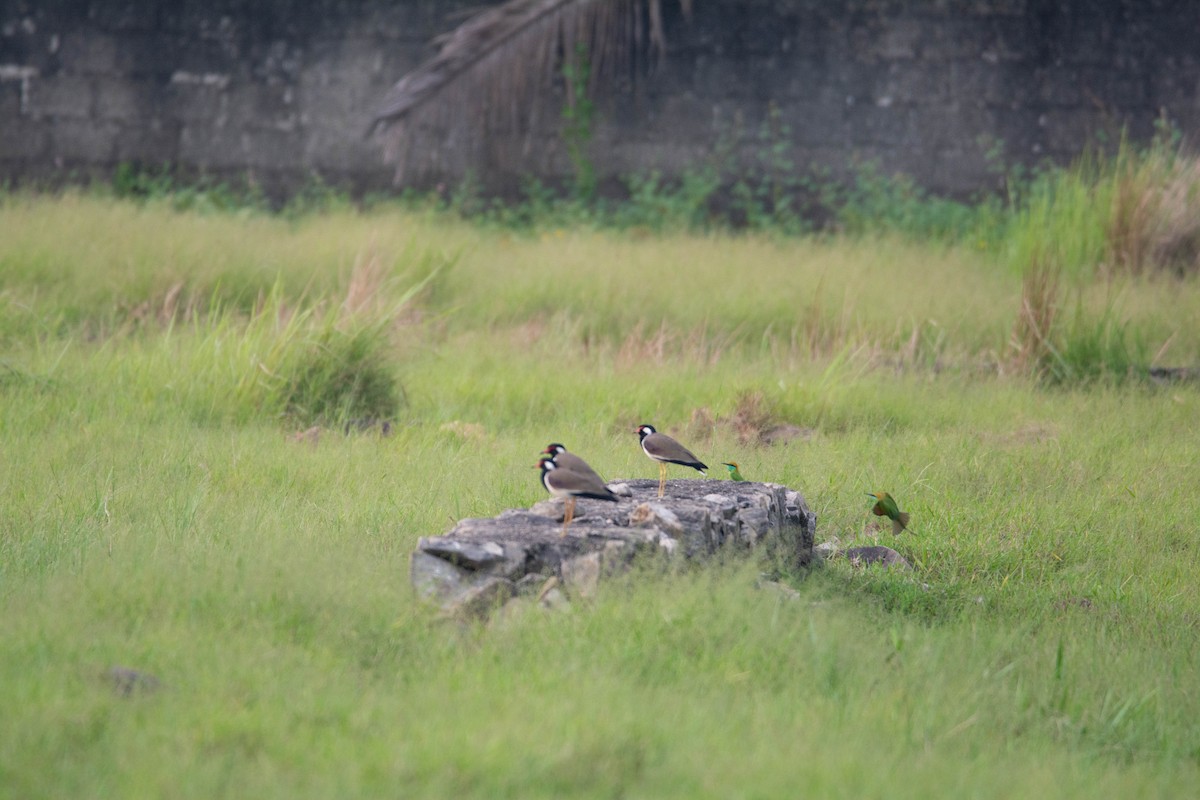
column 282, row 90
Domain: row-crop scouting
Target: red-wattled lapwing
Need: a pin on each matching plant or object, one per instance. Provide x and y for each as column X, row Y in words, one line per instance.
column 665, row 450
column 563, row 459
column 563, row 482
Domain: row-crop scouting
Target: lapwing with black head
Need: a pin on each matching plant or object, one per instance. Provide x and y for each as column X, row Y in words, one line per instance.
column 564, row 459
column 569, row 484
column 665, row 450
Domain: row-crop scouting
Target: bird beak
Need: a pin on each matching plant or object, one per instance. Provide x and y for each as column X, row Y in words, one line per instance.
column 871, row 495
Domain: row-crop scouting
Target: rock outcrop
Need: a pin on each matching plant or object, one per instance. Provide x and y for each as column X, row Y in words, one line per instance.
column 482, row 563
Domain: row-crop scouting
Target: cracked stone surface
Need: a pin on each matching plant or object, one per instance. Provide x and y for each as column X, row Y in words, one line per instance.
column 482, row 563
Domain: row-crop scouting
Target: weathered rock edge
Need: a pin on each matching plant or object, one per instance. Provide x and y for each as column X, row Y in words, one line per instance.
column 482, row 563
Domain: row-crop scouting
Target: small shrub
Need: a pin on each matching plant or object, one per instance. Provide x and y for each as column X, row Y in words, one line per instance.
column 1094, row 349
column 1060, row 217
column 874, row 202
column 1154, row 221
column 322, row 364
column 339, row 376
column 1085, row 350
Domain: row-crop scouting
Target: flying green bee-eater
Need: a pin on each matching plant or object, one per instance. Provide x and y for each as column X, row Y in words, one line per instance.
column 885, row 506
column 734, row 475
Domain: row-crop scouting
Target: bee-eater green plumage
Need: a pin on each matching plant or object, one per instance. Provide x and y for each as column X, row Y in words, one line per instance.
column 885, row 506
column 734, row 475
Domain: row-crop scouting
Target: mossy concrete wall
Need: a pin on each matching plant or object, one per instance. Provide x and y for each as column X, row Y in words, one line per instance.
column 283, row 89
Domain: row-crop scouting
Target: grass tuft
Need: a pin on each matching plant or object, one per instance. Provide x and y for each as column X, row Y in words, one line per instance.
column 1031, row 344
column 340, row 376
column 1094, row 348
column 1153, row 224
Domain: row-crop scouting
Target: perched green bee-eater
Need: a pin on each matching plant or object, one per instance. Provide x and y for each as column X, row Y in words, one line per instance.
column 885, row 506
column 734, row 475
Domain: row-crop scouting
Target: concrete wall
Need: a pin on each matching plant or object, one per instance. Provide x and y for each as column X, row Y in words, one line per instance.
column 282, row 89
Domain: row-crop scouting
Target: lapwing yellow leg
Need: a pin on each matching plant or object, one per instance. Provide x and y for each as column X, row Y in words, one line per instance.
column 665, row 450
column 568, row 515
column 567, row 483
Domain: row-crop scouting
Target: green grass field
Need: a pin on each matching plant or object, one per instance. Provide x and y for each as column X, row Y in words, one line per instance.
column 156, row 514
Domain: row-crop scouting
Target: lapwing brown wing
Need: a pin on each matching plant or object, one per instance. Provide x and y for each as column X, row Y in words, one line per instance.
column 565, row 459
column 568, row 484
column 665, row 450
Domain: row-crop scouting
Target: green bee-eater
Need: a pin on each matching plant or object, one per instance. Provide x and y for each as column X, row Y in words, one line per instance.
column 885, row 506
column 734, row 475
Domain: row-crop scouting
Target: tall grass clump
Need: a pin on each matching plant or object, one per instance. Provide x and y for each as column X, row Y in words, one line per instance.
column 1154, row 218
column 301, row 364
column 1095, row 348
column 1085, row 348
column 339, row 376
column 309, row 363
column 1061, row 216
column 1136, row 212
column 1031, row 344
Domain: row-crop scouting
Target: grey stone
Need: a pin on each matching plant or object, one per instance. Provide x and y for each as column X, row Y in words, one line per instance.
column 553, row 599
column 531, row 584
column 656, row 515
column 1165, row 375
column 127, row 682
column 876, row 554
column 582, row 574
column 826, row 551
column 465, row 554
column 481, row 600
column 522, row 552
column 726, row 504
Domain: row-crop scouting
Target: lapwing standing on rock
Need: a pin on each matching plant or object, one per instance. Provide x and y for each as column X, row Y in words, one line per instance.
column 885, row 506
column 563, row 482
column 564, row 459
column 665, row 450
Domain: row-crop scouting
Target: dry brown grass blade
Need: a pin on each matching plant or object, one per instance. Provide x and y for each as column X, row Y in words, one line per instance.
column 364, row 291
column 1031, row 338
column 1155, row 219
column 1176, row 244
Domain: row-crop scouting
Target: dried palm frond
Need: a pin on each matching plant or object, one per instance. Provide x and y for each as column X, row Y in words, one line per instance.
column 486, row 88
